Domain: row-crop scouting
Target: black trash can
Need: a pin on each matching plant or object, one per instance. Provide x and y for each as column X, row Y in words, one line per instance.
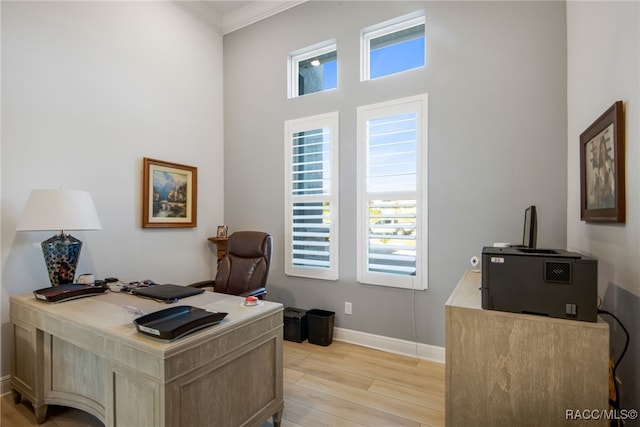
column 295, row 324
column 320, row 324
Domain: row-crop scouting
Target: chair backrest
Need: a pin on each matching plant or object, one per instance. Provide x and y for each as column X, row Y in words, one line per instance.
column 245, row 265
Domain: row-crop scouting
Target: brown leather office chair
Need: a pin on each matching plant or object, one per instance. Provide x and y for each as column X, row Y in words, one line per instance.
column 244, row 268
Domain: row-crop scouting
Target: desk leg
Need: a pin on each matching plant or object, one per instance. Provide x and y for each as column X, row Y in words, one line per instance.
column 277, row 418
column 41, row 413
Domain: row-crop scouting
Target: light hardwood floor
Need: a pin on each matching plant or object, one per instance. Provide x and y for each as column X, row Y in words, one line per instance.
column 337, row 385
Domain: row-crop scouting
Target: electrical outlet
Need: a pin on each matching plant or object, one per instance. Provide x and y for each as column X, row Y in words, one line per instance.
column 348, row 308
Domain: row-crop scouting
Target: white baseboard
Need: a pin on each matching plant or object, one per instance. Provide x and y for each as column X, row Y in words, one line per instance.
column 392, row 345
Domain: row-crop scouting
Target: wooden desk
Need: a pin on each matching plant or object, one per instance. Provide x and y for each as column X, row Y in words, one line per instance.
column 86, row 354
column 509, row 369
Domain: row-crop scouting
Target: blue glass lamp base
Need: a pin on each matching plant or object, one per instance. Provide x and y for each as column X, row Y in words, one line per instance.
column 61, row 254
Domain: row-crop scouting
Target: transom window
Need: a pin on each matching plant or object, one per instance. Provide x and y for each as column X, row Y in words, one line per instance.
column 393, row 46
column 313, row 69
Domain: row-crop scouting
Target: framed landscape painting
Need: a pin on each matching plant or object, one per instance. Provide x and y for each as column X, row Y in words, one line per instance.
column 169, row 194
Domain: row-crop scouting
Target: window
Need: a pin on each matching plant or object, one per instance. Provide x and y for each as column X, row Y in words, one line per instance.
column 311, row 197
column 313, row 69
column 391, row 191
column 393, row 46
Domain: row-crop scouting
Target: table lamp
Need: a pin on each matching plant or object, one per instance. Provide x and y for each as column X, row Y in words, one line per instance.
column 49, row 210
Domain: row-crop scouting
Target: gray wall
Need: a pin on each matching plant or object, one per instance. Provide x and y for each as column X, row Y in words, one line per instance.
column 497, row 133
column 612, row 31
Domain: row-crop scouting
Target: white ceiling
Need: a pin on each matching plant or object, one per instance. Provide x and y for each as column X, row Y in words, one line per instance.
column 225, row 7
column 235, row 14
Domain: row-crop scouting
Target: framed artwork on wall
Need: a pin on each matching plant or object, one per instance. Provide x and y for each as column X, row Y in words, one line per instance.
column 169, row 194
column 602, row 168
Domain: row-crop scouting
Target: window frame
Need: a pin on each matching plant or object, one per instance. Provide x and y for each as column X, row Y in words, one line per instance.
column 381, row 29
column 294, row 59
column 419, row 105
column 291, row 127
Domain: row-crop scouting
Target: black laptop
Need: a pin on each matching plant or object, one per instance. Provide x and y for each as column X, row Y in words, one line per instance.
column 167, row 293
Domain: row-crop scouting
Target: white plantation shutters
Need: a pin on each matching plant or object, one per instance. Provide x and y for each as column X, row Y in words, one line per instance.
column 392, row 184
column 311, row 197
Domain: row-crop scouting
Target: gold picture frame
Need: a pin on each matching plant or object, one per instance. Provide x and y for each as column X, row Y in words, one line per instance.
column 169, row 194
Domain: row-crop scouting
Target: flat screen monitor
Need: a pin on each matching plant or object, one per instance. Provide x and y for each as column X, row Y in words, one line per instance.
column 530, row 233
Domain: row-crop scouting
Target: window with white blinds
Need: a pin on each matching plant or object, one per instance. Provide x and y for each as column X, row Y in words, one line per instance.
column 391, row 188
column 311, row 197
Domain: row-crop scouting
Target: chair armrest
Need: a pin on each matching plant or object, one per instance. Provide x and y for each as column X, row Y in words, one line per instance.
column 203, row 284
column 260, row 293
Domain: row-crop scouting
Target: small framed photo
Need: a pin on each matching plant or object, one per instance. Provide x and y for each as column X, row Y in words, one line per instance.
column 602, row 168
column 222, row 231
column 169, row 194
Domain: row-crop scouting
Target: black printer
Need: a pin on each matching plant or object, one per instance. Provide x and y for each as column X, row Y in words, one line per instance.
column 548, row 282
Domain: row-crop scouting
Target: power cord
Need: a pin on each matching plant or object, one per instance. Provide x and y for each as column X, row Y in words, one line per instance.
column 615, row 403
column 413, row 319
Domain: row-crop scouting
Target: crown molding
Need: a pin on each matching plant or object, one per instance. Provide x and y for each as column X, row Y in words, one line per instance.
column 254, row 12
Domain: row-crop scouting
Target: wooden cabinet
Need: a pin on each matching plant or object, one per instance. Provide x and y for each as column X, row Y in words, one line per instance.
column 86, row 354
column 509, row 369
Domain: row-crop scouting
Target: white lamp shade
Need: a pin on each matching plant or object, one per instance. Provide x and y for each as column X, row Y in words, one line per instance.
column 59, row 210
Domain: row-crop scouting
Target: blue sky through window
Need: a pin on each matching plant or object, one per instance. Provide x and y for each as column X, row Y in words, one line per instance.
column 397, row 57
column 330, row 74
